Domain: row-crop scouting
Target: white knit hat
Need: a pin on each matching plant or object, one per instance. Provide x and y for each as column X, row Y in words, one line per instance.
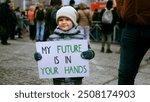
column 67, row 11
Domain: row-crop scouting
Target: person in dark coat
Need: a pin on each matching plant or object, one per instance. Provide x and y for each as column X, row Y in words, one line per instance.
column 50, row 18
column 107, row 29
column 5, row 14
column 135, row 38
column 13, row 24
column 95, row 16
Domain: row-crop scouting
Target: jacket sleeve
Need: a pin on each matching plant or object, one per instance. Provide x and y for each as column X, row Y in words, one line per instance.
column 115, row 16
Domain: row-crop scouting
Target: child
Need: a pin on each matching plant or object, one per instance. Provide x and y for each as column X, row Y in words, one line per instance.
column 67, row 29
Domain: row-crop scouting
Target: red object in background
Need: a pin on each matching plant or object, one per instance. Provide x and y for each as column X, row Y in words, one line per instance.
column 97, row 5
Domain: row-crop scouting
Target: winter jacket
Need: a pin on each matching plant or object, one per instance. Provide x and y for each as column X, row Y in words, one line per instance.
column 136, row 12
column 84, row 17
column 30, row 14
column 74, row 33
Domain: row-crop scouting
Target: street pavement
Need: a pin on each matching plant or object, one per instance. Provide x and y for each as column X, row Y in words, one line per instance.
column 18, row 67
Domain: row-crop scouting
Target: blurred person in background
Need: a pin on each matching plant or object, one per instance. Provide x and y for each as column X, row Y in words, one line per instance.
column 108, row 27
column 31, row 18
column 95, row 27
column 84, row 18
column 95, row 16
column 40, row 22
column 72, row 3
column 13, row 23
column 5, row 14
column 50, row 18
column 20, row 22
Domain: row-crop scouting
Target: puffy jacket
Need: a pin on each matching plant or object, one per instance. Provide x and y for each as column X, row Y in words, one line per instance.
column 84, row 17
column 135, row 12
column 74, row 33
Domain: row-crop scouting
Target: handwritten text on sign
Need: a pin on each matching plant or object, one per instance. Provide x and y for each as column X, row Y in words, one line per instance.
column 62, row 59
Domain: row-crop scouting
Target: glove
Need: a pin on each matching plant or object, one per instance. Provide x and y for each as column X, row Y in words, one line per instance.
column 37, row 56
column 89, row 54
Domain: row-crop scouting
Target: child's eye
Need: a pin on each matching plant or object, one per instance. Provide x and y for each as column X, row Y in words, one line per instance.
column 60, row 19
column 64, row 19
column 67, row 19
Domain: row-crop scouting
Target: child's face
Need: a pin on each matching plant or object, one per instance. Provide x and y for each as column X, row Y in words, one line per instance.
column 65, row 23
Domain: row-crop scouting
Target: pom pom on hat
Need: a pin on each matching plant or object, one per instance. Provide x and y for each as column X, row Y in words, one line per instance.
column 67, row 11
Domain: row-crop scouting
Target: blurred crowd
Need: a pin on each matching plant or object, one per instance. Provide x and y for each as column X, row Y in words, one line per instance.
column 39, row 21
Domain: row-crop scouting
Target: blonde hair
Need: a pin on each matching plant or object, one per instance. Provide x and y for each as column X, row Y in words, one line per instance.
column 82, row 6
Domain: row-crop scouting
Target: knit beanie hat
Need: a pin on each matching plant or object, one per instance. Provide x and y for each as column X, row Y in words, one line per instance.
column 67, row 11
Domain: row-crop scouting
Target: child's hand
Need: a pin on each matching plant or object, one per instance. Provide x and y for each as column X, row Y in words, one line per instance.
column 89, row 54
column 37, row 56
